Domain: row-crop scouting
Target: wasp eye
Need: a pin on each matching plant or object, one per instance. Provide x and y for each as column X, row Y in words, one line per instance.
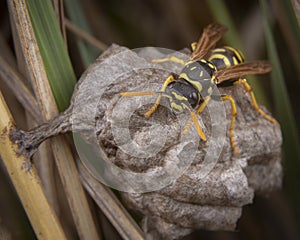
column 193, row 99
column 194, row 96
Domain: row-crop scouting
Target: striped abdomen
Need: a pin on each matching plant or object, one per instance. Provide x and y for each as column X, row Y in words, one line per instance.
column 225, row 57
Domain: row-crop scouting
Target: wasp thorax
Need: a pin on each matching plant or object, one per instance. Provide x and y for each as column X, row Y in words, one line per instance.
column 199, row 74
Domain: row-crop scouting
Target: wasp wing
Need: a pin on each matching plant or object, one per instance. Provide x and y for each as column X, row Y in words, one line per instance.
column 210, row 36
column 243, row 69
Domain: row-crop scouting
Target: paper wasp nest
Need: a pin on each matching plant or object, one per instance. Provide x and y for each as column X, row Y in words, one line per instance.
column 192, row 201
column 207, row 194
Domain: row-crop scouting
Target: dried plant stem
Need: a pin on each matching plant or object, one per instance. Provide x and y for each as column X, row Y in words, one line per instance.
column 58, row 6
column 64, row 160
column 14, row 81
column 110, row 206
column 27, row 185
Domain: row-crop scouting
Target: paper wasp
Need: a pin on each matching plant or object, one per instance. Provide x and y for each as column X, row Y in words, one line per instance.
column 206, row 69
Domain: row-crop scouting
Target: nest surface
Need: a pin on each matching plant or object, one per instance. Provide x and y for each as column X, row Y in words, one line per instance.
column 213, row 202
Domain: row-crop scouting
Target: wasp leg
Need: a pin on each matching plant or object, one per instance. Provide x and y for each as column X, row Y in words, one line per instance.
column 255, row 105
column 163, row 89
column 198, row 111
column 169, row 58
column 233, row 116
column 198, row 128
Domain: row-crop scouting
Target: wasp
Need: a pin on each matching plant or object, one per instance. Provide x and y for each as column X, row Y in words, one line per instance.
column 206, row 69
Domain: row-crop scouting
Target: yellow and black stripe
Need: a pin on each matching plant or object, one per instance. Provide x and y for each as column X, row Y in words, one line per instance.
column 225, row 57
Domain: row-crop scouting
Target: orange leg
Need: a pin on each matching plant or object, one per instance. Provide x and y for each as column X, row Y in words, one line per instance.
column 198, row 111
column 163, row 89
column 231, row 128
column 198, row 128
column 154, row 107
column 255, row 105
column 233, row 113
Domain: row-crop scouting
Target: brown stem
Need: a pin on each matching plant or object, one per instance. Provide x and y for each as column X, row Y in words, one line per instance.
column 28, row 142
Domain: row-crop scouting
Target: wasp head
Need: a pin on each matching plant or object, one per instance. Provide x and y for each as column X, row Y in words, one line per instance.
column 182, row 96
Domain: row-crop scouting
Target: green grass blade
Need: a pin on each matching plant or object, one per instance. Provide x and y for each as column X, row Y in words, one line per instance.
column 53, row 50
column 87, row 52
column 291, row 143
column 290, row 28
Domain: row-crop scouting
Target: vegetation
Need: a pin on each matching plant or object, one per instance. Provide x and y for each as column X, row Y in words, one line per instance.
column 46, row 45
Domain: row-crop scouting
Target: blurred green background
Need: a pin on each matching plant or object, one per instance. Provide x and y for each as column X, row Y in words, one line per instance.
column 261, row 29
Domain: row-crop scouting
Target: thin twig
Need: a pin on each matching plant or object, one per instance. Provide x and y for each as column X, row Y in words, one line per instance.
column 85, row 36
column 58, row 6
column 14, row 81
